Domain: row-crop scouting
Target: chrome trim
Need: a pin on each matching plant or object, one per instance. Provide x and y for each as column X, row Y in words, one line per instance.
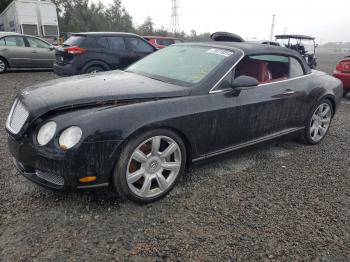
column 212, row 91
column 249, row 143
column 11, row 115
column 287, row 80
column 93, row 186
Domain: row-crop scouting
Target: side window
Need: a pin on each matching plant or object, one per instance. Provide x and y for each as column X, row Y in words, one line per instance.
column 101, row 42
column 116, row 43
column 138, row 45
column 95, row 42
column 227, row 81
column 295, row 68
column 36, row 43
column 2, row 42
column 264, row 68
column 14, row 41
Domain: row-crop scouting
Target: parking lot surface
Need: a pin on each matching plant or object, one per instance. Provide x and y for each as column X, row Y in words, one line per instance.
column 279, row 201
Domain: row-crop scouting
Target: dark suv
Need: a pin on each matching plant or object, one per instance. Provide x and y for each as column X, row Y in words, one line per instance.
column 93, row 52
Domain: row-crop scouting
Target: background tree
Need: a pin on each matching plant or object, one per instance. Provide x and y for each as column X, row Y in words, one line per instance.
column 147, row 27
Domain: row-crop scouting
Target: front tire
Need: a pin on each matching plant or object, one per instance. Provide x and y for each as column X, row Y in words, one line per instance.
column 150, row 165
column 94, row 69
column 3, row 65
column 318, row 123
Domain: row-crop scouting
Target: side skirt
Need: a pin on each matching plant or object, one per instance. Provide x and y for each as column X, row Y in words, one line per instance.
column 249, row 143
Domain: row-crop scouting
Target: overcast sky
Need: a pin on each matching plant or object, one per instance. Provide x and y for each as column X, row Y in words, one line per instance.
column 326, row 20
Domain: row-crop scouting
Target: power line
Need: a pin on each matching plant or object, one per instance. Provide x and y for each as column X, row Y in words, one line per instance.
column 174, row 25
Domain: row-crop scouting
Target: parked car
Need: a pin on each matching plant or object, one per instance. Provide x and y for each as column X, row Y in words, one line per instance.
column 138, row 129
column 342, row 72
column 160, row 42
column 24, row 51
column 95, row 52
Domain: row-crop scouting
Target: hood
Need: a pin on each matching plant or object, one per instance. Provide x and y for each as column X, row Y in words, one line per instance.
column 111, row 87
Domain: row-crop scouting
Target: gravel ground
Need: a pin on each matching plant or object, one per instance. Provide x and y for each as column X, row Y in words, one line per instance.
column 278, row 202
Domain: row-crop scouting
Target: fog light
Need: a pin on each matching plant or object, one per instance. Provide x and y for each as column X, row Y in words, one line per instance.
column 87, row 179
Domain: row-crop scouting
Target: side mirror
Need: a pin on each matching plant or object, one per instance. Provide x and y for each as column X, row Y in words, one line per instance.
column 244, row 81
column 52, row 47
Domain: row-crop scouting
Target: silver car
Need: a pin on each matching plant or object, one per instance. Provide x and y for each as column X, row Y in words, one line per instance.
column 24, row 51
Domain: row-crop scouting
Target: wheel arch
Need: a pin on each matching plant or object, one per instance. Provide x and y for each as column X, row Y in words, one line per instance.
column 100, row 63
column 6, row 61
column 331, row 99
column 187, row 143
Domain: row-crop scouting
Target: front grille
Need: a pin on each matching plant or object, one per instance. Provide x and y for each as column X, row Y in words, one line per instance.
column 52, row 178
column 17, row 118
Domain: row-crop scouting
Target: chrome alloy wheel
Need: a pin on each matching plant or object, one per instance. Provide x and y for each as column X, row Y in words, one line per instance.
column 320, row 122
column 153, row 166
column 2, row 66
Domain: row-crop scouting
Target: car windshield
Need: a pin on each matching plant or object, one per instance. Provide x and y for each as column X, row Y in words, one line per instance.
column 186, row 64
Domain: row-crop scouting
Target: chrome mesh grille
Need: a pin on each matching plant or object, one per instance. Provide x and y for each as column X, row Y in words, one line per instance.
column 18, row 116
column 52, row 178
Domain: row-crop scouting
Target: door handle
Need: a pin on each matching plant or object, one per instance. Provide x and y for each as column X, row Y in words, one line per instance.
column 33, row 51
column 5, row 49
column 288, row 92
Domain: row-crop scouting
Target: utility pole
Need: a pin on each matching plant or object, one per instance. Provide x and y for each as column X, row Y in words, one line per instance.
column 272, row 27
column 174, row 25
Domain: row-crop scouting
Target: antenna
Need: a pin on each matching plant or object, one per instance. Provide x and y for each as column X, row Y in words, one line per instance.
column 272, row 27
column 174, row 26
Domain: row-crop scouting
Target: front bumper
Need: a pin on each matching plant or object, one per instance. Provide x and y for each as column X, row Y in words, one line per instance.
column 62, row 172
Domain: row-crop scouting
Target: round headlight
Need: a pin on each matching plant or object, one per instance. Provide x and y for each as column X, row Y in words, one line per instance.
column 70, row 137
column 46, row 133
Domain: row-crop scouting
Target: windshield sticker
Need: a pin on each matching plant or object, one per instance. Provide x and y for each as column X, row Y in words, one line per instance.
column 220, row 52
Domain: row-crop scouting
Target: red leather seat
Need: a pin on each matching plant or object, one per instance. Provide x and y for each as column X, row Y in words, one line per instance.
column 257, row 69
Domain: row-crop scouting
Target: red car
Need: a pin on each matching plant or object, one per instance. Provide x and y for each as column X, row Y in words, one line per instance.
column 342, row 71
column 162, row 41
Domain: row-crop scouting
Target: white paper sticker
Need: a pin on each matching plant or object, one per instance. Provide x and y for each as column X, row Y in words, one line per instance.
column 220, row 52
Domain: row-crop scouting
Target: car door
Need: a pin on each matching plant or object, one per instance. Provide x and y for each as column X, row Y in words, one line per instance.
column 41, row 53
column 271, row 108
column 138, row 48
column 15, row 51
column 117, row 51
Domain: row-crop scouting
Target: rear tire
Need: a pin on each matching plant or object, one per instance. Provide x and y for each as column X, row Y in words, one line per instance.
column 345, row 93
column 94, row 69
column 318, row 123
column 3, row 65
column 150, row 165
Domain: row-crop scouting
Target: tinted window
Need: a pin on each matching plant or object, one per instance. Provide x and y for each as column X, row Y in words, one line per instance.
column 165, row 42
column 188, row 64
column 14, row 41
column 36, row 43
column 2, row 42
column 295, row 68
column 101, row 42
column 139, row 45
column 264, row 68
column 116, row 43
column 95, row 42
column 74, row 40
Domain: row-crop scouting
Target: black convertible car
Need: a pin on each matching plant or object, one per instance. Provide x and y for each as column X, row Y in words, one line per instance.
column 138, row 129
